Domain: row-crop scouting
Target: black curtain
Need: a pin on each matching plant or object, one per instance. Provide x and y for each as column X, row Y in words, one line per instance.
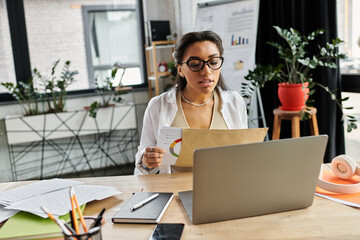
column 305, row 16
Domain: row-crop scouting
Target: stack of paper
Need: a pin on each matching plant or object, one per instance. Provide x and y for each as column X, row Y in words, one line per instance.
column 28, row 192
column 52, row 194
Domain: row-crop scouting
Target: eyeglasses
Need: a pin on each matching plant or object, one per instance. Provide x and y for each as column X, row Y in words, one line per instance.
column 197, row 65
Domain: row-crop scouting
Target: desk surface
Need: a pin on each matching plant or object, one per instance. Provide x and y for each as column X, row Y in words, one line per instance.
column 325, row 219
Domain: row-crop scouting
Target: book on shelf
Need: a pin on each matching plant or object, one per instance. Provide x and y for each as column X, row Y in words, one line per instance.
column 150, row 212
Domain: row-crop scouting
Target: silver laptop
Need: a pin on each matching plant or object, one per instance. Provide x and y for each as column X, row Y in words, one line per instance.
column 254, row 179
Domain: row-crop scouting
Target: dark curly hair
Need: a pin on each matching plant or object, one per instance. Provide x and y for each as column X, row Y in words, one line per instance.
column 185, row 41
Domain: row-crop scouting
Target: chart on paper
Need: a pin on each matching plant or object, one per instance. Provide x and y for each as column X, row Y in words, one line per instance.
column 170, row 139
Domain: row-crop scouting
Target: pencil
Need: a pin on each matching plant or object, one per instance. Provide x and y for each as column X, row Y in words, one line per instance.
column 78, row 209
column 68, row 227
column 57, row 221
column 73, row 215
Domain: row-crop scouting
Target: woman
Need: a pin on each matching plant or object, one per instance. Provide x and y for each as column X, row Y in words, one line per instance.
column 198, row 100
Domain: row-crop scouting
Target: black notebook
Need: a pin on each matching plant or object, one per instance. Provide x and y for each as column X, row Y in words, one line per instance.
column 151, row 212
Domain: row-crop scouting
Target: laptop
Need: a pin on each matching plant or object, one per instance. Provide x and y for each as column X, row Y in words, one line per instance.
column 245, row 180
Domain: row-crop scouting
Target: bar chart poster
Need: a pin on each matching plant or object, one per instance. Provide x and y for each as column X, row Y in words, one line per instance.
column 238, row 40
column 236, row 24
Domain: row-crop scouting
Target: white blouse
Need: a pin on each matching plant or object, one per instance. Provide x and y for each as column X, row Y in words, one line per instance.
column 161, row 112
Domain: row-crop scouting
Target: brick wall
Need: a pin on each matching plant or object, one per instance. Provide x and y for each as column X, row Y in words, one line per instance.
column 7, row 72
column 56, row 31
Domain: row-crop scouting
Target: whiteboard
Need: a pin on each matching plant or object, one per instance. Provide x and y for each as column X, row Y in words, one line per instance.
column 236, row 23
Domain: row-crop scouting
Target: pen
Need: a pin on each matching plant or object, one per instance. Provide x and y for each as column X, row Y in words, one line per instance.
column 142, row 203
column 57, row 220
column 98, row 219
column 71, row 219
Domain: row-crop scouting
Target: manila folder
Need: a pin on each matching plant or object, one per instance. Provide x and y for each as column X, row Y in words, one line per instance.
column 203, row 138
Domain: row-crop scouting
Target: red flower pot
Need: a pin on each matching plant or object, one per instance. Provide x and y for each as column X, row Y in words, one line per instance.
column 293, row 96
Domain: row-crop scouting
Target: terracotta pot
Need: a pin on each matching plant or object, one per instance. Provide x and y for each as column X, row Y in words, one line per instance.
column 293, row 96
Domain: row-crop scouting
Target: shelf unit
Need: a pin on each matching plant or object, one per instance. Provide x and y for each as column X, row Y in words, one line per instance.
column 153, row 73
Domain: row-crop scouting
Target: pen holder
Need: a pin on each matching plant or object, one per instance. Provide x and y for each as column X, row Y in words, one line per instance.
column 93, row 233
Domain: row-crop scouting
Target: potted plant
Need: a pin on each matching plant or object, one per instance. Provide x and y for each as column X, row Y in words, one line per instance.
column 42, row 98
column 109, row 93
column 26, row 95
column 55, row 86
column 293, row 73
column 53, row 90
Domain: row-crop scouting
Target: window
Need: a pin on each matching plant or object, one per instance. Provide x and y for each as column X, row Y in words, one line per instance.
column 54, row 30
column 112, row 36
column 348, row 30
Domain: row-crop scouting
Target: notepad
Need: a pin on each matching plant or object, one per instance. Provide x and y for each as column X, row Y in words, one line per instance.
column 151, row 212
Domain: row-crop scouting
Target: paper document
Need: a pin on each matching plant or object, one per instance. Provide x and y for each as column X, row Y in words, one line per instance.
column 180, row 144
column 170, row 140
column 351, row 204
column 6, row 214
column 35, row 189
column 58, row 202
column 52, row 194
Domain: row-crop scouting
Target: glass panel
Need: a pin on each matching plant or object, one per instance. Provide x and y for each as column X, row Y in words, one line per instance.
column 352, row 139
column 7, row 72
column 56, row 31
column 348, row 18
column 348, row 30
column 132, row 76
column 114, row 38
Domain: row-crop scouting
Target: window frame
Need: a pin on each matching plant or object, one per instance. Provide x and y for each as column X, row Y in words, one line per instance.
column 20, row 47
column 86, row 10
column 15, row 10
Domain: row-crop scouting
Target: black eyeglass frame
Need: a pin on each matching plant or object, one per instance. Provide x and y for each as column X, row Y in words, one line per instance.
column 204, row 62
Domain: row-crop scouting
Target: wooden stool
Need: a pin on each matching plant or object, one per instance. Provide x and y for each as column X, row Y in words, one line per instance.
column 295, row 117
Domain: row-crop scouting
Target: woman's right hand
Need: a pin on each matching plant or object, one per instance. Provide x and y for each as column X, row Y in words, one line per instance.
column 152, row 157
